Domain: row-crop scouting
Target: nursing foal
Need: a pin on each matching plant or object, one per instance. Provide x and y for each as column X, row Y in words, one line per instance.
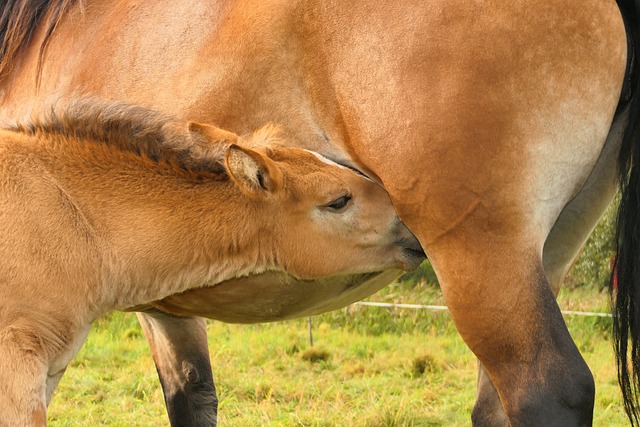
column 107, row 206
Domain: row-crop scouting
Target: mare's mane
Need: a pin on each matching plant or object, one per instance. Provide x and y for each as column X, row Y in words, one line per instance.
column 142, row 131
column 18, row 22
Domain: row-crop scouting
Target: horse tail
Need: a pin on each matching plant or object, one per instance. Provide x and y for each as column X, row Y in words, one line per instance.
column 626, row 267
column 18, row 21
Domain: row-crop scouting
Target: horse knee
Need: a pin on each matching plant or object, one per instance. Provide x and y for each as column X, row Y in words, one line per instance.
column 190, row 372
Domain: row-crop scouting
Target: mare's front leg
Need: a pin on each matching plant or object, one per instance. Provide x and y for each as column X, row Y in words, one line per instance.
column 180, row 351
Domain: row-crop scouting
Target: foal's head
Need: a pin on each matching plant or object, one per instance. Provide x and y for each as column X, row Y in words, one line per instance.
column 328, row 219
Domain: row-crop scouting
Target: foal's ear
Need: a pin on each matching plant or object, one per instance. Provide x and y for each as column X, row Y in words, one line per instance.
column 254, row 172
column 212, row 133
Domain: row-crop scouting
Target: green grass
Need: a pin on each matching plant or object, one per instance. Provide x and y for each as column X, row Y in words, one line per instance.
column 368, row 367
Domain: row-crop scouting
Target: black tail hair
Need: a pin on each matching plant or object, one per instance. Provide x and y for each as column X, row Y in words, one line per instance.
column 626, row 323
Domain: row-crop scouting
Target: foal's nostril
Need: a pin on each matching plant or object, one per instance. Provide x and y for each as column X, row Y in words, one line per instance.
column 417, row 253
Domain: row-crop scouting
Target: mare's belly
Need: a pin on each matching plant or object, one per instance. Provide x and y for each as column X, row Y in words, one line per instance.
column 274, row 296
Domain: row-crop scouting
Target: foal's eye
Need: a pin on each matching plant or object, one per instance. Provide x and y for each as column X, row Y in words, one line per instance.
column 339, row 203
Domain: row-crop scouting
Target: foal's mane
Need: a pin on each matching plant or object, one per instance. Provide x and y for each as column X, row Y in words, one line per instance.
column 19, row 20
column 127, row 127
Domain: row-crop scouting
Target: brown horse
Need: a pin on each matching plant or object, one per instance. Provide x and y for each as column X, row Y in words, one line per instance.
column 494, row 125
column 104, row 207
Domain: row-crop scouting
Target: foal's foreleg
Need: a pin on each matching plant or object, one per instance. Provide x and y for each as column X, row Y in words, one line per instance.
column 23, row 374
column 180, row 351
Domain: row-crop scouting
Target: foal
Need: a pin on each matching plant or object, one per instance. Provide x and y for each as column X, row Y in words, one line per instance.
column 107, row 206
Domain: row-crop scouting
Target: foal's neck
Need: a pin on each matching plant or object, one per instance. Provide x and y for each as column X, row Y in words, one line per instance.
column 163, row 229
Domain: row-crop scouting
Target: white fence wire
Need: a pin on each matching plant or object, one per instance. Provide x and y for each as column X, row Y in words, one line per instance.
column 443, row 307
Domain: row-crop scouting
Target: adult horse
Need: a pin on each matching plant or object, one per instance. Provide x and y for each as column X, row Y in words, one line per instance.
column 495, row 126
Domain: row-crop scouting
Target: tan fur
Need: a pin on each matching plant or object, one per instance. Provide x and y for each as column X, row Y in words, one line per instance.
column 107, row 209
column 485, row 120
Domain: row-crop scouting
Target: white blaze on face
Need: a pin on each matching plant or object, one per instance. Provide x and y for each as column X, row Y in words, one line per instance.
column 323, row 159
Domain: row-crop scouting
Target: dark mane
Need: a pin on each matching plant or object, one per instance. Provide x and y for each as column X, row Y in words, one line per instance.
column 128, row 127
column 18, row 21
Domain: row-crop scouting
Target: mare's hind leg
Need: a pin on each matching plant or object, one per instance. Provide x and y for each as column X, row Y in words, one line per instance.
column 488, row 410
column 181, row 354
column 509, row 318
column 561, row 249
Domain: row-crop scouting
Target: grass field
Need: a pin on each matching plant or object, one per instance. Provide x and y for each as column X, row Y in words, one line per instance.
column 368, row 367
